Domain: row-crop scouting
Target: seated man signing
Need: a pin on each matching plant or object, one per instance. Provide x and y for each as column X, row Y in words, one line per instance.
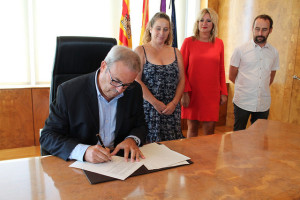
column 108, row 102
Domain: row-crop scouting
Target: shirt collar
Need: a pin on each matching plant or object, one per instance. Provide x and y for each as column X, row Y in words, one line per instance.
column 256, row 45
column 99, row 93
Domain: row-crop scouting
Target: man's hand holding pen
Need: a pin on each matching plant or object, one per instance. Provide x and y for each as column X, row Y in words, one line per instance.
column 99, row 153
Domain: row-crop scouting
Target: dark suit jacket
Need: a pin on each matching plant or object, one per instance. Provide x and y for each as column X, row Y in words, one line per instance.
column 74, row 117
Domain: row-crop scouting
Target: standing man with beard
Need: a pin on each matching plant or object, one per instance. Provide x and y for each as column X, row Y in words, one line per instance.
column 252, row 69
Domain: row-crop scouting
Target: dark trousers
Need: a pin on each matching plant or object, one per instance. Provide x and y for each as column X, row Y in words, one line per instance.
column 241, row 117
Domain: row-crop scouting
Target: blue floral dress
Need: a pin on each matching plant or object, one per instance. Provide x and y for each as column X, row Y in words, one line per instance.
column 162, row 81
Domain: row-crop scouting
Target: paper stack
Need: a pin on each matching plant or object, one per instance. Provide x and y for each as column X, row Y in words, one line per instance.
column 157, row 156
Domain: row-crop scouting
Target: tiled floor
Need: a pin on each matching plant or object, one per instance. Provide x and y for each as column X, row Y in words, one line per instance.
column 33, row 151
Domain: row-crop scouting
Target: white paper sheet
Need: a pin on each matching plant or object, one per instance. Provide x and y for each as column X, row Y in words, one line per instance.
column 157, row 156
column 160, row 156
column 117, row 168
column 180, row 163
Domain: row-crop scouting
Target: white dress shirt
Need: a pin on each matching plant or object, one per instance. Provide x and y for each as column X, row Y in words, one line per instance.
column 255, row 63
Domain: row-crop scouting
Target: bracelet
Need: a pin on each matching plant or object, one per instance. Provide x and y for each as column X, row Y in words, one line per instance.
column 173, row 103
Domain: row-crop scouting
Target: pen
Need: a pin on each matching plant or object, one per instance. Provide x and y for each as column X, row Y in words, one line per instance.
column 100, row 140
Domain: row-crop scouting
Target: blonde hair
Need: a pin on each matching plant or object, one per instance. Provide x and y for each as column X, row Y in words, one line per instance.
column 147, row 34
column 214, row 19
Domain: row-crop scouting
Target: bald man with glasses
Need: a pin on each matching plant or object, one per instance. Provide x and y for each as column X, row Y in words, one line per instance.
column 107, row 102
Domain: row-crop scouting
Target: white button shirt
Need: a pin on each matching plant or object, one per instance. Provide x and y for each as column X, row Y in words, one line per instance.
column 252, row 91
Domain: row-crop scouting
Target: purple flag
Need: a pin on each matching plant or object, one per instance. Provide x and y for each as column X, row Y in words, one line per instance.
column 163, row 6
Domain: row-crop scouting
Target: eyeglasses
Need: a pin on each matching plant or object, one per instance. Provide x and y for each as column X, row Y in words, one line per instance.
column 116, row 83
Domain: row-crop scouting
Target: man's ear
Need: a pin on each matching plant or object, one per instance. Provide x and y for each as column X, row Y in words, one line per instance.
column 103, row 66
column 271, row 29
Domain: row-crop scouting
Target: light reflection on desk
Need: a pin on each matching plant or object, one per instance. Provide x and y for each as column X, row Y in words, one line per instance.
column 261, row 162
column 25, row 179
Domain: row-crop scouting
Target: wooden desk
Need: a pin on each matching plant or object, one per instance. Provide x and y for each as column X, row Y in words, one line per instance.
column 262, row 162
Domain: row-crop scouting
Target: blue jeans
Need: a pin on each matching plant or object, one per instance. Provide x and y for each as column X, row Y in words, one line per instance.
column 241, row 117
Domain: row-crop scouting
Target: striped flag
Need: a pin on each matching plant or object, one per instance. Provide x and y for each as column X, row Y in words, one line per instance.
column 125, row 38
column 145, row 19
column 173, row 19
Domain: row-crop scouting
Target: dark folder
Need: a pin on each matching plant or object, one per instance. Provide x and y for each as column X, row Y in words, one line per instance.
column 99, row 178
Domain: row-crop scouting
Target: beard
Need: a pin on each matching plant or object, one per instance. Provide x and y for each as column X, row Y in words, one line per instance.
column 260, row 39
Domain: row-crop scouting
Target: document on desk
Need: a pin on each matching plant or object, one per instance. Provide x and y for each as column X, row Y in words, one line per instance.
column 117, row 168
column 159, row 156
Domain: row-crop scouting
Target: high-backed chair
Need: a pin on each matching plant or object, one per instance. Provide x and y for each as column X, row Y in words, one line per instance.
column 76, row 56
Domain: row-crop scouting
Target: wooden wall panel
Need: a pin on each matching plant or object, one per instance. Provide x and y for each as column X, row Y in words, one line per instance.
column 222, row 114
column 235, row 28
column 285, row 39
column 40, row 103
column 214, row 4
column 16, row 123
column 295, row 98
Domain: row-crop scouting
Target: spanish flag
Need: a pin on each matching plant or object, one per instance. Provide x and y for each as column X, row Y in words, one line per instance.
column 125, row 27
column 145, row 19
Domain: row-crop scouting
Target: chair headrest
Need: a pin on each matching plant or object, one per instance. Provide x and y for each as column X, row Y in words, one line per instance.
column 76, row 56
column 80, row 55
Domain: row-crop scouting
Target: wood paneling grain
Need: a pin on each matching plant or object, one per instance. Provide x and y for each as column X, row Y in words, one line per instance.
column 285, row 40
column 40, row 103
column 214, row 4
column 16, row 122
column 295, row 98
column 223, row 112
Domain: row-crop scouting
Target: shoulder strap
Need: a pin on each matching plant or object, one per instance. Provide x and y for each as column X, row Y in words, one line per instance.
column 145, row 53
column 175, row 53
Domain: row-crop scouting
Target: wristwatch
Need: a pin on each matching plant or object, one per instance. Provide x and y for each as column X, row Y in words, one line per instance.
column 135, row 139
